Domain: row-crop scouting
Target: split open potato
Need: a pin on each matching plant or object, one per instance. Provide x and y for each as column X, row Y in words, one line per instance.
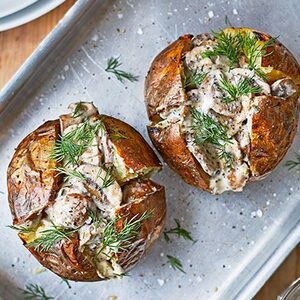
column 80, row 195
column 223, row 106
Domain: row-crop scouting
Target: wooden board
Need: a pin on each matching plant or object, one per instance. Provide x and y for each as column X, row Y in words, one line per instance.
column 17, row 44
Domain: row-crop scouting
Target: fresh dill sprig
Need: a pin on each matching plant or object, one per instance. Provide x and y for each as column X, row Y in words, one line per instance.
column 179, row 231
column 291, row 164
column 227, row 22
column 208, row 130
column 193, row 79
column 66, row 282
column 35, row 292
column 20, row 229
column 226, row 45
column 227, row 156
column 51, row 236
column 175, row 263
column 253, row 50
column 96, row 220
column 77, row 111
column 115, row 240
column 71, row 145
column 244, row 87
column 116, row 135
column 113, row 64
column 108, row 178
column 68, row 174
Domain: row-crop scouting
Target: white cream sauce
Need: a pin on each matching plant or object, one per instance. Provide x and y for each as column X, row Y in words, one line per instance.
column 236, row 116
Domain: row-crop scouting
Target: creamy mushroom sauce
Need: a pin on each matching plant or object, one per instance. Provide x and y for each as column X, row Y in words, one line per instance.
column 236, row 116
column 76, row 198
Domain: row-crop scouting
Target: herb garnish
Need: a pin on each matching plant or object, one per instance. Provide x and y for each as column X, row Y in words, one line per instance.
column 66, row 282
column 227, row 22
column 116, row 241
column 234, row 46
column 179, row 231
column 72, row 144
column 244, row 87
column 253, row 50
column 175, row 263
column 51, row 236
column 35, row 292
column 291, row 164
column 112, row 66
column 208, row 130
column 108, row 179
column 20, row 229
column 226, row 45
column 77, row 111
column 193, row 79
column 96, row 220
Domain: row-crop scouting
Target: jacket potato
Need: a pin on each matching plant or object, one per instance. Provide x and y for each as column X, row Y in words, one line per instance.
column 223, row 107
column 81, row 197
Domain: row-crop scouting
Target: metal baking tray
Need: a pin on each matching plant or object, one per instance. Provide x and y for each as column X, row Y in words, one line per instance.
column 241, row 238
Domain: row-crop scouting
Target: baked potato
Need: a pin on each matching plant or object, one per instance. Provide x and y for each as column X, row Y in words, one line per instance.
column 223, row 107
column 80, row 195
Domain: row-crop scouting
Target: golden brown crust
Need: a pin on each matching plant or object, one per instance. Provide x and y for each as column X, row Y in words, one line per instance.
column 31, row 180
column 164, row 89
column 141, row 196
column 67, row 261
column 171, row 144
column 163, row 86
column 135, row 151
column 31, row 177
column 281, row 59
column 273, row 130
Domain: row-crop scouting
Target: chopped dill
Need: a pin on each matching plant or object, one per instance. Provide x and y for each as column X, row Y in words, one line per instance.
column 114, row 240
column 175, row 263
column 244, row 87
column 50, row 236
column 35, row 292
column 179, row 231
column 193, row 79
column 113, row 64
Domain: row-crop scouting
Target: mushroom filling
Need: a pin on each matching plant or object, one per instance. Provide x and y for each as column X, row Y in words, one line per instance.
column 89, row 195
column 224, row 82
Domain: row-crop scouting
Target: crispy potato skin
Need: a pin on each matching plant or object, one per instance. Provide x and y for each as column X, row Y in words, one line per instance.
column 274, row 126
column 32, row 182
column 65, row 260
column 147, row 196
column 171, row 144
column 273, row 130
column 134, row 150
column 163, row 86
column 38, row 184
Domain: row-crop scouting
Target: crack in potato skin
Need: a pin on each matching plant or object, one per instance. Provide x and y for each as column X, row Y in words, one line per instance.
column 163, row 88
column 65, row 258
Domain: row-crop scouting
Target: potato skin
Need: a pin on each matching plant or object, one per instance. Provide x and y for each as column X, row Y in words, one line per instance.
column 64, row 258
column 163, row 86
column 134, row 150
column 32, row 183
column 171, row 144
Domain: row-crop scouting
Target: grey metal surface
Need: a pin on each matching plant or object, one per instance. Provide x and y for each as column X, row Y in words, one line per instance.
column 241, row 237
